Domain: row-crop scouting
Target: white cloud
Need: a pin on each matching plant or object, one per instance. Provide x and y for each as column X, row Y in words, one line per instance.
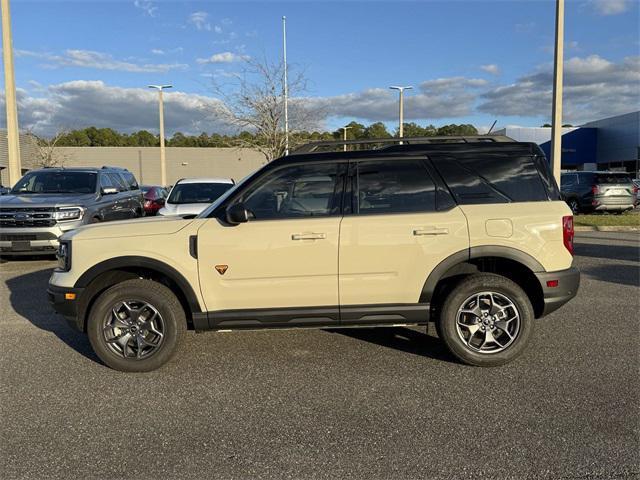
column 217, row 29
column 81, row 103
column 99, row 61
column 224, row 57
column 491, row 68
column 610, row 7
column 593, row 88
column 157, row 51
column 147, row 7
column 200, row 20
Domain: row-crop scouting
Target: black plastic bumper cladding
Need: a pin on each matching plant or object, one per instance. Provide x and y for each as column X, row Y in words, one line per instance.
column 567, row 287
column 67, row 308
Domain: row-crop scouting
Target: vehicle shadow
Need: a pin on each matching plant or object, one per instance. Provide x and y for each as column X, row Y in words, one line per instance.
column 28, row 298
column 401, row 338
column 620, row 274
column 612, row 252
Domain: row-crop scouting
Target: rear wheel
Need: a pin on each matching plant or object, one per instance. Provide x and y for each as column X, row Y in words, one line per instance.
column 486, row 320
column 136, row 325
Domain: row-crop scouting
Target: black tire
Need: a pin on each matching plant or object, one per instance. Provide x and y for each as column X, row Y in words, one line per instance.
column 505, row 289
column 160, row 298
column 95, row 220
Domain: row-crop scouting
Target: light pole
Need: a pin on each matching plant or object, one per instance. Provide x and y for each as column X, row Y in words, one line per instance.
column 285, row 86
column 344, row 136
column 13, row 139
column 401, row 107
column 163, row 159
column 556, row 123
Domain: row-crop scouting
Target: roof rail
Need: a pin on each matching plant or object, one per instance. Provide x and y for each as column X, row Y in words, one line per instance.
column 109, row 167
column 388, row 142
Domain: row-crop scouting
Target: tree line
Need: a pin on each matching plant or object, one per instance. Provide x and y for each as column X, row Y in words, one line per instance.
column 108, row 137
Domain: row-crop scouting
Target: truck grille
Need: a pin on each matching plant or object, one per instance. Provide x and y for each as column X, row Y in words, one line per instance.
column 25, row 217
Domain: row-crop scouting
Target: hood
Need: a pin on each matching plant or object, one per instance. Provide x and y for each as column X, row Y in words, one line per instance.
column 183, row 208
column 43, row 200
column 139, row 227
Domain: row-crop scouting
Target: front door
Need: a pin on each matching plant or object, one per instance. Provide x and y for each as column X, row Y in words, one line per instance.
column 281, row 267
column 394, row 237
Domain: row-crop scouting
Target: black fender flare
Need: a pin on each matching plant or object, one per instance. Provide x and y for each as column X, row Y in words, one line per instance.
column 463, row 256
column 144, row 262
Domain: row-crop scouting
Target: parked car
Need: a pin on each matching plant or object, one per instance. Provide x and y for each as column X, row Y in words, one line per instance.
column 599, row 191
column 190, row 196
column 154, row 198
column 48, row 202
column 470, row 233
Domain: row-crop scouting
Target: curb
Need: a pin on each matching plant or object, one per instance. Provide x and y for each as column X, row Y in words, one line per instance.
column 621, row 228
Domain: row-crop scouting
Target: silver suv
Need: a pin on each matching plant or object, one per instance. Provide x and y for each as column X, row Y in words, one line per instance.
column 48, row 202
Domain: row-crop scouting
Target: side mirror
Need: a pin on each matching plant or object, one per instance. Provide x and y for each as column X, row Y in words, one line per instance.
column 237, row 214
column 109, row 191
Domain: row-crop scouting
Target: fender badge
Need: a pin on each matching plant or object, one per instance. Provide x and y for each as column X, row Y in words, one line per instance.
column 222, row 269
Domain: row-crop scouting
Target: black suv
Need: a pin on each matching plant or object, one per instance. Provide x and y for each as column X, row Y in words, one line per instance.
column 599, row 191
column 48, row 202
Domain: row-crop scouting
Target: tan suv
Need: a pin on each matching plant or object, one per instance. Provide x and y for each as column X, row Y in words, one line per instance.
column 467, row 232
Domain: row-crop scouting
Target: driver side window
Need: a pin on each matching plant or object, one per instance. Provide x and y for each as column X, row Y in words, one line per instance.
column 296, row 191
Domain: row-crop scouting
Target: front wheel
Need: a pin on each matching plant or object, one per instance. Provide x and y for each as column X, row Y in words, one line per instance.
column 136, row 325
column 486, row 320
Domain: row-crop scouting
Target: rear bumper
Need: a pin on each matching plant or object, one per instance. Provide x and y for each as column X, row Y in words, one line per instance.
column 67, row 308
column 568, row 282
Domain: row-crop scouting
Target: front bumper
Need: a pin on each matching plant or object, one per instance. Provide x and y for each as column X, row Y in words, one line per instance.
column 67, row 307
column 566, row 287
column 33, row 240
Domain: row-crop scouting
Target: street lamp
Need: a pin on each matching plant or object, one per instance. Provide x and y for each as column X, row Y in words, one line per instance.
column 401, row 108
column 556, row 123
column 13, row 139
column 163, row 161
column 344, row 136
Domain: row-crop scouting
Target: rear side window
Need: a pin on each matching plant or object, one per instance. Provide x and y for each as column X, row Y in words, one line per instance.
column 493, row 178
column 399, row 186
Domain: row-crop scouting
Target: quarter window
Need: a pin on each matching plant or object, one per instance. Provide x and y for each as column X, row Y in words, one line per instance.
column 294, row 192
column 398, row 186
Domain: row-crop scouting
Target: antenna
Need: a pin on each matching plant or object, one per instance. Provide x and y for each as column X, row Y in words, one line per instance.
column 492, row 125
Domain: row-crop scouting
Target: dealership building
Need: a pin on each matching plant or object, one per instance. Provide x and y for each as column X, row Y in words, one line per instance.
column 609, row 144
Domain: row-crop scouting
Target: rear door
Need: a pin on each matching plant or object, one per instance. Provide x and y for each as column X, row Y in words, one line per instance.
column 393, row 237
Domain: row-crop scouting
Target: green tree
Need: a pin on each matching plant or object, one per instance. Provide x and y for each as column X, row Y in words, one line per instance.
column 376, row 130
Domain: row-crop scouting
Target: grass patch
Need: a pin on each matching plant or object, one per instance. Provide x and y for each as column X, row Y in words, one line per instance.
column 608, row 220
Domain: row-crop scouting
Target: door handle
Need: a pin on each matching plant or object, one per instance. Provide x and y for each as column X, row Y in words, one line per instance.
column 431, row 231
column 308, row 236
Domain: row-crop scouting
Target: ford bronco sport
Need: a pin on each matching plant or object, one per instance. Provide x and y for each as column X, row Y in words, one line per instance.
column 467, row 232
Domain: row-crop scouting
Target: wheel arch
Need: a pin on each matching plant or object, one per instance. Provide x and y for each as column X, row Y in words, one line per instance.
column 115, row 270
column 509, row 262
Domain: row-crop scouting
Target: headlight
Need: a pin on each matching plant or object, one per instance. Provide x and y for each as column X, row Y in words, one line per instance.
column 64, row 256
column 68, row 213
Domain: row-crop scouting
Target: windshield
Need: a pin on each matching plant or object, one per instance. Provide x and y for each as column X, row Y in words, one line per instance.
column 197, row 192
column 56, row 182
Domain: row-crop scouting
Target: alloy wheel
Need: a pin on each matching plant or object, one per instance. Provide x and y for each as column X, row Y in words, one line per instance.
column 133, row 329
column 488, row 322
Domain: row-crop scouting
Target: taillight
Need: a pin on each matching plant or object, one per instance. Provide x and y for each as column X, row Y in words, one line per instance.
column 568, row 232
column 595, row 189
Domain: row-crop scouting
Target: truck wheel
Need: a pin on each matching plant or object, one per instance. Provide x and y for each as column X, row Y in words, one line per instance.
column 486, row 320
column 136, row 325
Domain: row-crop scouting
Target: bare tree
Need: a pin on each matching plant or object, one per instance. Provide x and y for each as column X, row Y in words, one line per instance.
column 48, row 150
column 253, row 100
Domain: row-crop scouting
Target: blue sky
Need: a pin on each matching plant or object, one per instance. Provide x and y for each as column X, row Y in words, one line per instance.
column 469, row 62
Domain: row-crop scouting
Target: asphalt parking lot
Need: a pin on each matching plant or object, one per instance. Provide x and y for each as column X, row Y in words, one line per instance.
column 359, row 403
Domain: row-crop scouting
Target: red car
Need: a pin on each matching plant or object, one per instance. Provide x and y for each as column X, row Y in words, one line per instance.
column 154, row 198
